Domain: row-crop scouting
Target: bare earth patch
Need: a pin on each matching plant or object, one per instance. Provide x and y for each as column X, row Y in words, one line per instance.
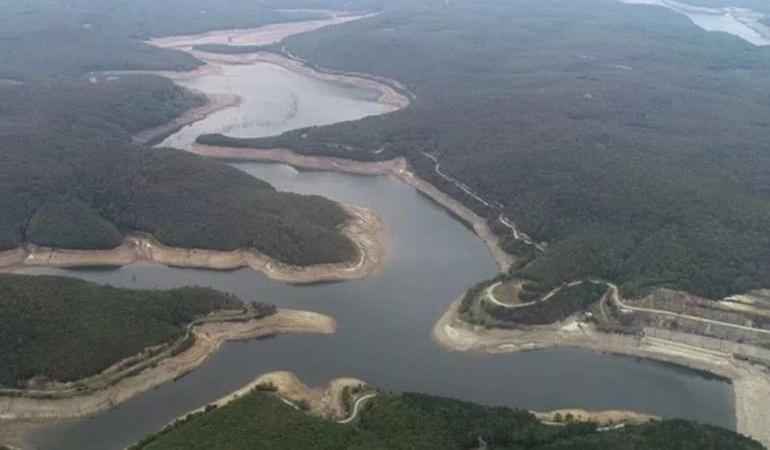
column 607, row 418
column 266, row 35
column 214, row 103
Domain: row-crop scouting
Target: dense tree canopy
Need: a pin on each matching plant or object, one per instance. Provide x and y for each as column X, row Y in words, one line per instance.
column 66, row 329
column 629, row 139
column 259, row 420
column 72, row 179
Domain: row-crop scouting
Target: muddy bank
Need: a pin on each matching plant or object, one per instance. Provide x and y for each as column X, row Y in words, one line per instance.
column 607, row 418
column 265, row 35
column 364, row 228
column 391, row 92
column 209, row 337
column 751, row 383
column 214, row 103
column 397, row 168
column 327, row 403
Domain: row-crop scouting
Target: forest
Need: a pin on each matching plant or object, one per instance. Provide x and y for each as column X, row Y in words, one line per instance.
column 72, row 179
column 629, row 140
column 260, row 420
column 563, row 304
column 64, row 329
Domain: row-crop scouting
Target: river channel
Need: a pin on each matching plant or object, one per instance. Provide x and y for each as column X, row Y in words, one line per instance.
column 385, row 322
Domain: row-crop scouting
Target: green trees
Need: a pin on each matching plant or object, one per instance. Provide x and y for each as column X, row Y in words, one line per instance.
column 575, row 120
column 260, row 420
column 69, row 223
column 71, row 179
column 65, row 329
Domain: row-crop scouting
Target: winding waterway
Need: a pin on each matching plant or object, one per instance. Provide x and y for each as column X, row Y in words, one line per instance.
column 384, row 331
column 274, row 100
column 385, row 321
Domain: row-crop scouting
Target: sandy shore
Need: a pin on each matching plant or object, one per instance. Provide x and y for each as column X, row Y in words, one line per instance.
column 214, row 103
column 265, row 35
column 397, row 168
column 327, row 403
column 364, row 228
column 751, row 383
column 391, row 92
column 606, row 418
column 209, row 337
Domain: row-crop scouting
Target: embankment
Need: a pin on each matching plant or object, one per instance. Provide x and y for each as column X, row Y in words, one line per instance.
column 751, row 383
column 364, row 228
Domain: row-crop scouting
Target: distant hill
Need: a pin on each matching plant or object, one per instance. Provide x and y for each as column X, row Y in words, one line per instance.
column 65, row 329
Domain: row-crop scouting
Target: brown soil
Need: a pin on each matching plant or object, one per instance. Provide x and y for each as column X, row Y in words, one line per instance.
column 266, row 35
column 601, row 418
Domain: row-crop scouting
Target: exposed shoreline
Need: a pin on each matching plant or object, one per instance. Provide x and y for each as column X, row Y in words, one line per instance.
column 390, row 90
column 397, row 168
column 364, row 228
column 329, row 403
column 209, row 337
column 214, row 103
column 263, row 35
column 751, row 383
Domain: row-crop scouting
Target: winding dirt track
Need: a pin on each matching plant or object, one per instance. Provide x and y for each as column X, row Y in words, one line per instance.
column 356, row 406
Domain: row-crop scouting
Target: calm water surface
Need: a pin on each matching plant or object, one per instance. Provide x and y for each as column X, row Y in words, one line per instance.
column 384, row 332
column 741, row 22
column 275, row 100
column 385, row 321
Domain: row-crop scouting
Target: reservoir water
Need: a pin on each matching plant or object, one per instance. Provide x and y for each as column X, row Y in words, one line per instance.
column 275, row 100
column 385, row 321
column 384, row 332
column 742, row 22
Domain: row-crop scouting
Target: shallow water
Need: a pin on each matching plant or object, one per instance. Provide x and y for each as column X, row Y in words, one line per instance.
column 740, row 22
column 275, row 100
column 384, row 332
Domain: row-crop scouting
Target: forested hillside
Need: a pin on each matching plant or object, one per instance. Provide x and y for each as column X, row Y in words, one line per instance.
column 631, row 141
column 259, row 420
column 65, row 329
column 72, row 179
